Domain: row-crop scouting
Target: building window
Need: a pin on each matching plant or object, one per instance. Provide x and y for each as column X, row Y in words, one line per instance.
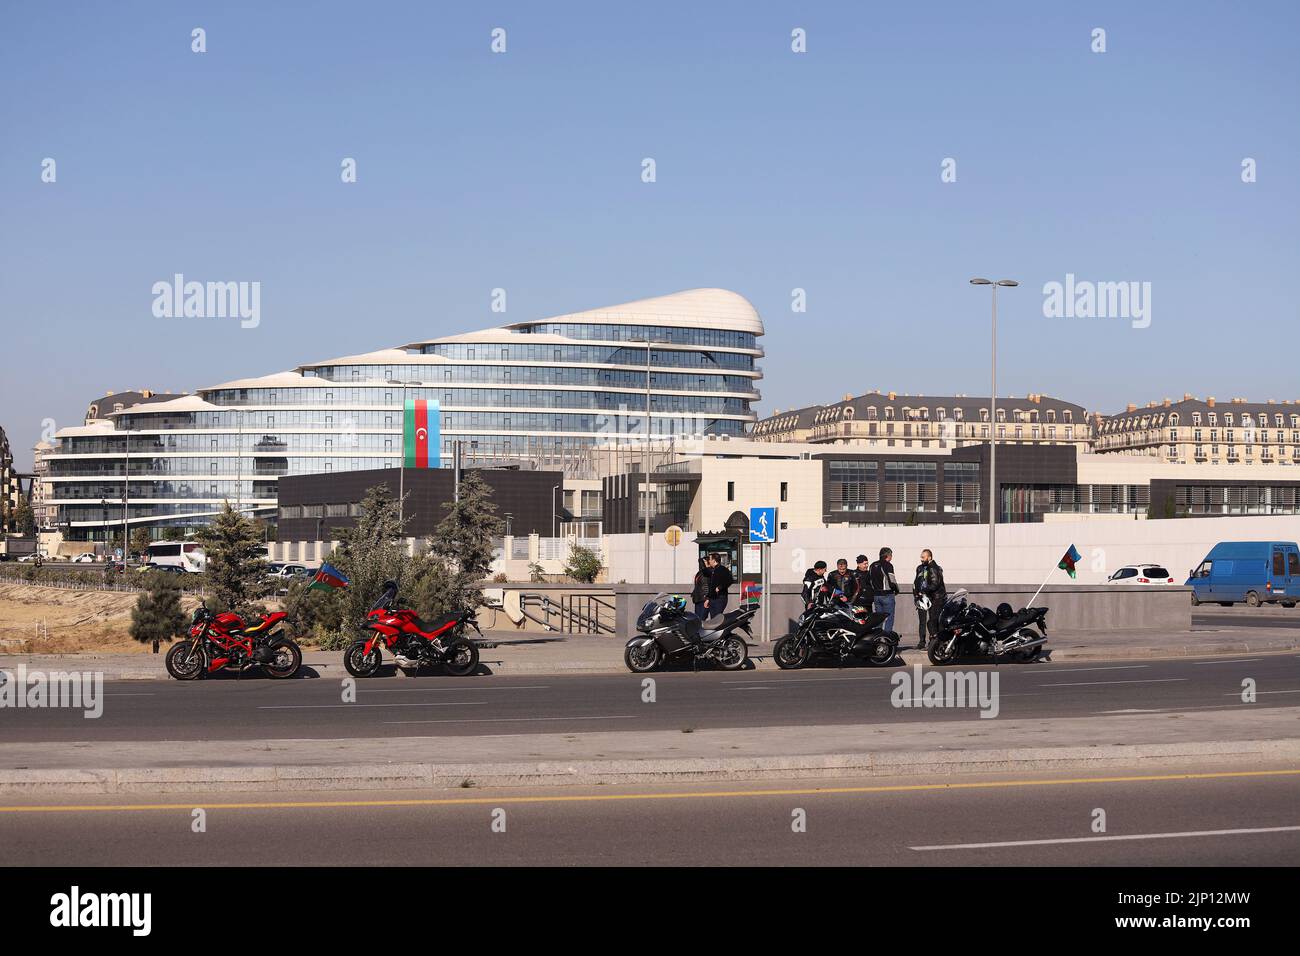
column 731, row 491
column 785, row 491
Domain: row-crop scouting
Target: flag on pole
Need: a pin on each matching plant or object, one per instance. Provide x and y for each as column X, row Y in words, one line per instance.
column 420, row 434
column 1067, row 563
column 328, row 578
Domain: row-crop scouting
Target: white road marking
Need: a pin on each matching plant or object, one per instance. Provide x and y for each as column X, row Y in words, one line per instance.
column 1077, row 670
column 1098, row 683
column 510, row 720
column 1267, row 692
column 441, row 703
column 1243, row 660
column 454, row 690
column 1103, row 839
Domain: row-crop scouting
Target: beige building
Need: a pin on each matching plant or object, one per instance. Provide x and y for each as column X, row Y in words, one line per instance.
column 1208, row 432
column 891, row 420
column 43, row 513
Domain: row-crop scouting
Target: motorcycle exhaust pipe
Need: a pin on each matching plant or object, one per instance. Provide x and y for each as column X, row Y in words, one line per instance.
column 1025, row 646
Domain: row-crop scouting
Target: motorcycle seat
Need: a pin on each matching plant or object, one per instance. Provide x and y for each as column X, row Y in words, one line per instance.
column 437, row 624
column 1017, row 620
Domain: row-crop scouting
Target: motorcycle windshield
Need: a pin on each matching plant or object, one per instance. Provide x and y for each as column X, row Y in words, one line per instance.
column 651, row 611
column 953, row 608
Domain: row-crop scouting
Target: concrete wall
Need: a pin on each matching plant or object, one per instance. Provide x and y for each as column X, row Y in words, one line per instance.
column 1026, row 552
column 1073, row 608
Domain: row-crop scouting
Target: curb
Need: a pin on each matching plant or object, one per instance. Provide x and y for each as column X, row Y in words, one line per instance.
column 412, row 776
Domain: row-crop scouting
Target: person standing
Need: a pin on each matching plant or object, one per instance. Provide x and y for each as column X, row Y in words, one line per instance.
column 814, row 579
column 842, row 580
column 700, row 590
column 884, row 585
column 863, row 588
column 720, row 582
column 928, row 583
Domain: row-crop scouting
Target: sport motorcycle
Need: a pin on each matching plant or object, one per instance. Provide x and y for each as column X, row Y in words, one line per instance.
column 225, row 642
column 667, row 631
column 412, row 642
column 831, row 627
column 967, row 630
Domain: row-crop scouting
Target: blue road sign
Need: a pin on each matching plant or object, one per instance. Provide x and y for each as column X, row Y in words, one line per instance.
column 762, row 525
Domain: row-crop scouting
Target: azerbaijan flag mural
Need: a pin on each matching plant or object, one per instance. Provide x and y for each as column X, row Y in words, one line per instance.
column 421, row 437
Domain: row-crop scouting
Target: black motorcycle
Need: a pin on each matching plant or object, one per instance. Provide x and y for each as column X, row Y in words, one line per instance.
column 968, row 630
column 832, row 627
column 667, row 630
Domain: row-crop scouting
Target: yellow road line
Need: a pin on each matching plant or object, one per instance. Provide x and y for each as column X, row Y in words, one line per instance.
column 604, row 797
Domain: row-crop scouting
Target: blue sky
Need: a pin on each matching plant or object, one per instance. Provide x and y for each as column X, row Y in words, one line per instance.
column 775, row 171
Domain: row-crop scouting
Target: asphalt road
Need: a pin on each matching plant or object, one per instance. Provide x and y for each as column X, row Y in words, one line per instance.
column 226, row 709
column 1207, row 818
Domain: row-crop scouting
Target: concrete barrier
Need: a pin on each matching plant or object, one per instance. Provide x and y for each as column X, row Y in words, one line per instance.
column 1073, row 608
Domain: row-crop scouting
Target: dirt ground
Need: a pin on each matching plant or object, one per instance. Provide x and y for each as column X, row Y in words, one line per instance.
column 43, row 620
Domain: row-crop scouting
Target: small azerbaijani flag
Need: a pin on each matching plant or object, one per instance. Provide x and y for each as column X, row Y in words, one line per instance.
column 421, row 440
column 1072, row 557
column 751, row 592
column 328, row 578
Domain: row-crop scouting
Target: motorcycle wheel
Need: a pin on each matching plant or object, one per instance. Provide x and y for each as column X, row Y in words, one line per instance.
column 358, row 663
column 1032, row 653
column 882, row 653
column 733, row 654
column 934, row 651
column 186, row 662
column 461, row 658
column 789, row 654
column 643, row 658
column 288, row 658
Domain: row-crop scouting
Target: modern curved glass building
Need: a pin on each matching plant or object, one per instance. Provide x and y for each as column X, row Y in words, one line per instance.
column 532, row 394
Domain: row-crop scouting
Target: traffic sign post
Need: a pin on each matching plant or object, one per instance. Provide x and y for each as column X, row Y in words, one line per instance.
column 762, row 531
column 674, row 537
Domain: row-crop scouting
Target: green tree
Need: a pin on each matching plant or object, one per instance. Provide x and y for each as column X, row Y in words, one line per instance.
column 583, row 564
column 173, row 533
column 236, row 571
column 157, row 615
column 24, row 518
column 140, row 539
column 312, row 611
column 463, row 541
column 369, row 554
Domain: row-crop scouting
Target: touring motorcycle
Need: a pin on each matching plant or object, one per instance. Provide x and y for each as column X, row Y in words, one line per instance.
column 413, row 643
column 831, row 627
column 667, row 630
column 225, row 642
column 968, row 630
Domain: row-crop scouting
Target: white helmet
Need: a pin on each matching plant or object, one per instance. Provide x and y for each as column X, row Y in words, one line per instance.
column 923, row 602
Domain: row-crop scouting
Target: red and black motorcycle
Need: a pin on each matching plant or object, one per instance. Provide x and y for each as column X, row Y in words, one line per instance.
column 225, row 642
column 412, row 642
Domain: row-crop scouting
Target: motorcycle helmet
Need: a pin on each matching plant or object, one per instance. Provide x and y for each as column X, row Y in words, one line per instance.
column 1005, row 610
column 676, row 603
column 923, row 602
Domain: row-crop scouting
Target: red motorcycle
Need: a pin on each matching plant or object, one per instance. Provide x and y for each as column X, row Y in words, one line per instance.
column 225, row 642
column 411, row 641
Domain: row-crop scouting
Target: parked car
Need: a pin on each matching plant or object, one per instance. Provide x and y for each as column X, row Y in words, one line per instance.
column 1257, row 572
column 1147, row 572
column 35, row 557
column 86, row 557
column 287, row 572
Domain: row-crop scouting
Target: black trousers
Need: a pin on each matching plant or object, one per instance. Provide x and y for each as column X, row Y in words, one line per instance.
column 928, row 621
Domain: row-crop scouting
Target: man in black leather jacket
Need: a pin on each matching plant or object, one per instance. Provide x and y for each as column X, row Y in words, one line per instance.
column 929, row 582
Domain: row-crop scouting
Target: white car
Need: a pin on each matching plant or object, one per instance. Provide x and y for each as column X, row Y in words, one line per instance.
column 86, row 557
column 1147, row 572
column 29, row 558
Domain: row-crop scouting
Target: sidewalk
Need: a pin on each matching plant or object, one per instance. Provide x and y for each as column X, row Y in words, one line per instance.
column 577, row 654
column 1247, row 739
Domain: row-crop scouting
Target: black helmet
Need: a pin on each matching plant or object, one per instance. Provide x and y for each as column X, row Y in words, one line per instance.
column 1005, row 610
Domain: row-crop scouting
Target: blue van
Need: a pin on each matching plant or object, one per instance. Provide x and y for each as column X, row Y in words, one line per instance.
column 1257, row 572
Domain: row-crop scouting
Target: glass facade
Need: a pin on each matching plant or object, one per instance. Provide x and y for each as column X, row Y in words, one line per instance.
column 504, row 395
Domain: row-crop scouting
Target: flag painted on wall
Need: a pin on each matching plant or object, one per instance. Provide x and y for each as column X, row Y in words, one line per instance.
column 1072, row 557
column 421, row 435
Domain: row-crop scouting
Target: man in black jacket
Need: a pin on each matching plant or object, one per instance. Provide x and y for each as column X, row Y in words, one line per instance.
column 884, row 585
column 720, row 581
column 928, row 583
column 842, row 580
column 863, row 592
column 814, row 579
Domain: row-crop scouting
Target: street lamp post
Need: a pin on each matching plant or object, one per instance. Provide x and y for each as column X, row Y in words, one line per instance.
column 993, row 426
column 644, row 499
